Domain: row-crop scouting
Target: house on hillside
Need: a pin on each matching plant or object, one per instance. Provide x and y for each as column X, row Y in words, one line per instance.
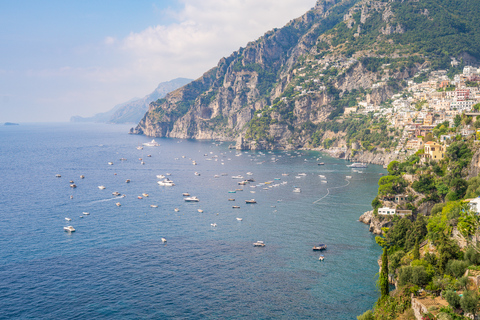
column 386, row 211
column 434, row 151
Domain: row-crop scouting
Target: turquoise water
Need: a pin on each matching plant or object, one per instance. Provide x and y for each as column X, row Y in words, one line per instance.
column 116, row 267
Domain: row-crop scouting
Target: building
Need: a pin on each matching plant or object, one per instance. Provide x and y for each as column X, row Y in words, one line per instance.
column 434, row 151
column 474, row 204
column 386, row 211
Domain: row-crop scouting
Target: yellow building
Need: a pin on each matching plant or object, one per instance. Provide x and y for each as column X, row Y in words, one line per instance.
column 434, row 151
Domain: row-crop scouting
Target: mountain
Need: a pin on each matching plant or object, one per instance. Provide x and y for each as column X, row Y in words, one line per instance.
column 289, row 88
column 133, row 110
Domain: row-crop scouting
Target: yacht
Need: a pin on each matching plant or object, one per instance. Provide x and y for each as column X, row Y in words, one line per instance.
column 259, row 244
column 166, row 183
column 152, row 143
column 357, row 165
column 191, row 199
column 69, row 229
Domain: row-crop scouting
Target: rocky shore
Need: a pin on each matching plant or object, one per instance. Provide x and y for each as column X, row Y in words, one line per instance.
column 375, row 223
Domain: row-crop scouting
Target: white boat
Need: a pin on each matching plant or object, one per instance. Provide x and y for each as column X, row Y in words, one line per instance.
column 259, row 244
column 110, row 163
column 118, row 204
column 58, row 175
column 191, row 199
column 164, row 240
column 302, row 174
column 322, row 176
column 358, row 165
column 139, row 148
column 200, row 210
column 249, row 173
column 160, row 176
column 69, row 229
column 321, row 258
column 166, row 183
column 197, row 174
column 68, row 219
column 237, row 177
column 176, row 209
column 101, row 187
column 116, row 193
column 152, row 143
column 86, row 213
column 348, row 177
column 250, row 201
column 186, row 194
column 297, row 190
column 213, row 224
column 153, row 206
column 239, row 219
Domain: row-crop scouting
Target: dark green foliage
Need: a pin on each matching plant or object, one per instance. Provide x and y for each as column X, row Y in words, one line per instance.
column 383, row 279
column 391, row 185
column 416, row 250
column 368, row 315
column 469, row 302
column 456, row 268
column 472, row 256
column 397, row 235
column 414, row 275
column 452, row 298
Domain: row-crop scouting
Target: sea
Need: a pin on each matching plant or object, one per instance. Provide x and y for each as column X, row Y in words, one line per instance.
column 116, row 266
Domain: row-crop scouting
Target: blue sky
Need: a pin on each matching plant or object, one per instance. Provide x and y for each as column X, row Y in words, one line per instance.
column 65, row 58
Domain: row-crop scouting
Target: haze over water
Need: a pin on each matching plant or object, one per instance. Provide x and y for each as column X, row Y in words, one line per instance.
column 115, row 266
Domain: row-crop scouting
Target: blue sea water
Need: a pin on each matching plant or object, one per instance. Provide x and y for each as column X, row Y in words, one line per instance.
column 115, row 266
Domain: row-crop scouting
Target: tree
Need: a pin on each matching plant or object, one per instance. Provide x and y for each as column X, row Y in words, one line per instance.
column 469, row 302
column 452, row 298
column 457, row 120
column 383, row 279
column 416, row 250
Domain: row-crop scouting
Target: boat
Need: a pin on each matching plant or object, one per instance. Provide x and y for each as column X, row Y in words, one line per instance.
column 348, row 177
column 213, row 224
column 140, row 197
column 68, row 219
column 73, row 186
column 110, row 163
column 82, row 177
column 358, row 165
column 194, row 162
column 232, row 191
column 176, row 209
column 231, row 199
column 250, row 201
column 321, row 258
column 237, row 177
column 152, row 143
column 197, row 174
column 302, row 174
column 239, row 219
column 249, row 173
column 101, row 187
column 166, row 183
column 191, row 199
column 285, row 174
column 149, row 155
column 164, row 240
column 118, row 204
column 123, row 159
column 242, row 183
column 168, row 174
column 153, row 206
column 69, row 229
column 139, row 148
column 116, row 193
column 322, row 176
column 297, row 190
column 127, row 181
column 186, row 194
column 321, row 163
column 259, row 244
column 145, row 194
column 320, row 247
column 58, row 176
column 200, row 210
column 236, row 207
column 86, row 213
column 160, row 176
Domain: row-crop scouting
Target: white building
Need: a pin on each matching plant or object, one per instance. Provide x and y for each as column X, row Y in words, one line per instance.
column 386, row 211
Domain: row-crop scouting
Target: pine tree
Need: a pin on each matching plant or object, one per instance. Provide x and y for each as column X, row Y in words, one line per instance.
column 416, row 250
column 383, row 279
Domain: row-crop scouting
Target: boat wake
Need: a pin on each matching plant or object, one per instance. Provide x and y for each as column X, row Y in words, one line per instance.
column 328, row 191
column 109, row 199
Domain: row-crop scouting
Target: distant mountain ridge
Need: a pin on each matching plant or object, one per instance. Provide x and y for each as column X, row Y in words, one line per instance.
column 133, row 110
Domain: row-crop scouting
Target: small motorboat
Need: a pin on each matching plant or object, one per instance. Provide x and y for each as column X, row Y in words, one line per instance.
column 145, row 194
column 164, row 240
column 166, row 183
column 320, row 247
column 127, row 181
column 191, row 199
column 259, row 244
column 197, row 174
column 213, row 224
column 160, row 176
column 82, row 177
column 140, row 197
column 186, row 194
column 110, row 163
column 118, row 204
column 321, row 258
column 153, row 206
column 101, row 187
column 86, row 213
column 297, row 190
column 321, row 163
column 250, row 201
column 231, row 199
column 236, row 207
column 73, row 186
column 176, row 209
column 116, row 193
column 239, row 219
column 232, row 191
column 69, row 229
column 200, row 210
column 68, row 219
column 58, row 175
column 149, row 155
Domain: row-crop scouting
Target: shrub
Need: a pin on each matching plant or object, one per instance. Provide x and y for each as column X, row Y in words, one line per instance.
column 452, row 298
column 456, row 268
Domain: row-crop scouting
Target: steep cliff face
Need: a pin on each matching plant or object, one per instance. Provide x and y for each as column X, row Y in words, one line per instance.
column 279, row 89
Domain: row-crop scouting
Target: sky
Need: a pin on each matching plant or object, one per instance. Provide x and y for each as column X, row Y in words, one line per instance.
column 63, row 58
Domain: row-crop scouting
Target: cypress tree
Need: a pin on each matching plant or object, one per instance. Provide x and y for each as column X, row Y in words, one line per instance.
column 383, row 279
column 416, row 250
